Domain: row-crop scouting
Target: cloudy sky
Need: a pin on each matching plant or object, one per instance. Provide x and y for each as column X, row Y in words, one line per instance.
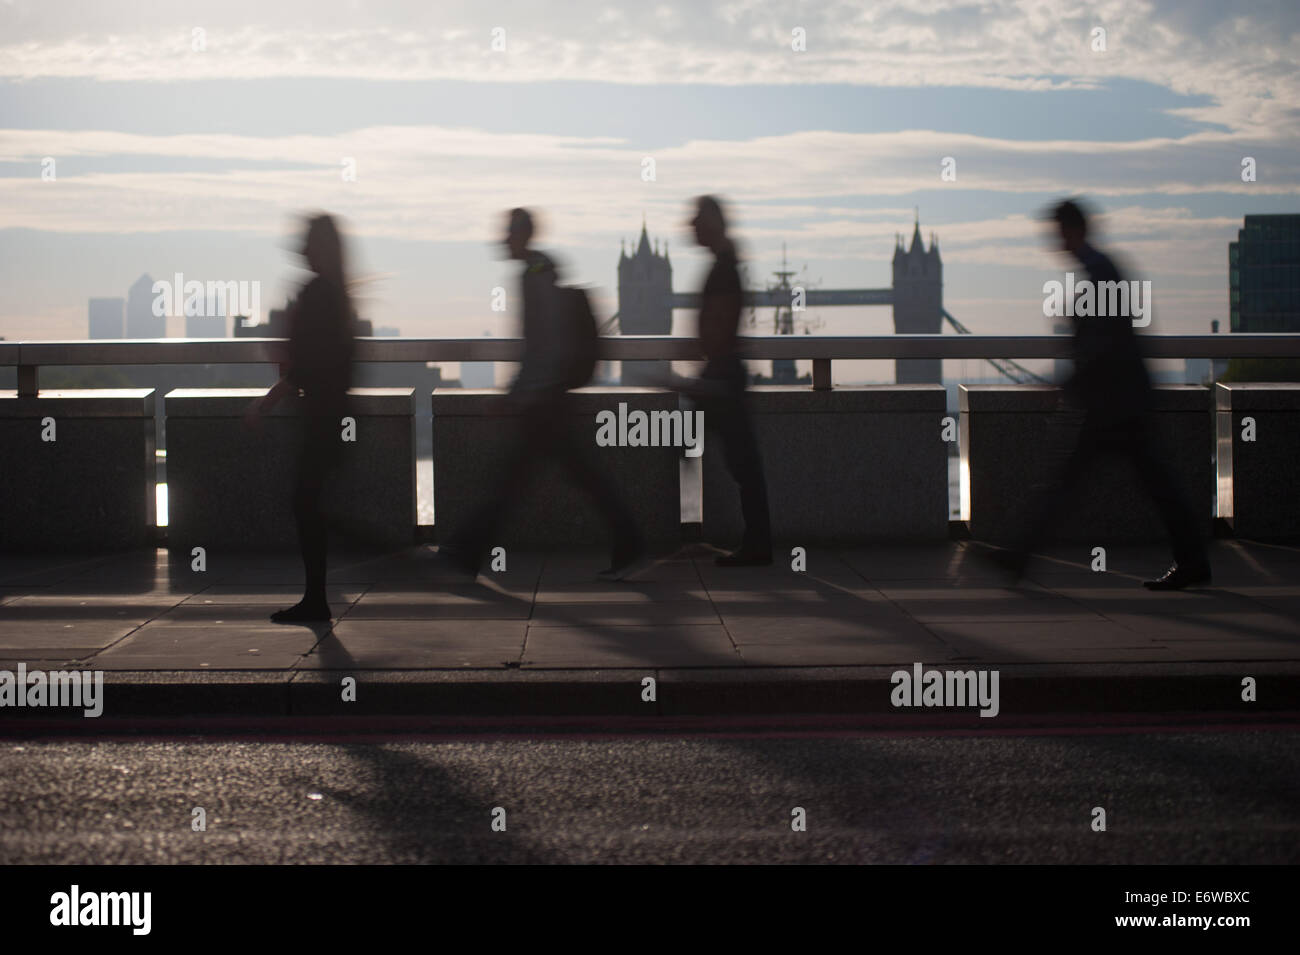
column 187, row 134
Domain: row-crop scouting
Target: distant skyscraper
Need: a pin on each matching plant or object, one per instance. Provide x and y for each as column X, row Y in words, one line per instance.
column 478, row 374
column 918, row 304
column 205, row 326
column 645, row 296
column 107, row 318
column 1264, row 275
column 141, row 322
column 275, row 326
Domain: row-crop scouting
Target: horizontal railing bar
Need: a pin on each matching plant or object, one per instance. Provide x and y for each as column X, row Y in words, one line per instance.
column 813, row 298
column 635, row 347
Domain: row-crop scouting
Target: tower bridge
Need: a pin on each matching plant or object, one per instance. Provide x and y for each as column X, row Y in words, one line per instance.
column 646, row 302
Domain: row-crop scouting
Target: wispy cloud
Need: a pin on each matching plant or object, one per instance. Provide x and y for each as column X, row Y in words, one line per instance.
column 1243, row 56
column 433, row 183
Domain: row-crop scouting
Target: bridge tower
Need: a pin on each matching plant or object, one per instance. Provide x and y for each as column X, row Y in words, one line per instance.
column 645, row 295
column 918, row 304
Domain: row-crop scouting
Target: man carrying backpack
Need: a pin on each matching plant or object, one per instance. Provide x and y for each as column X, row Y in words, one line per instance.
column 559, row 354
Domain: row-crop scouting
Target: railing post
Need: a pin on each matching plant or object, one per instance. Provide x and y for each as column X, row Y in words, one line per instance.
column 821, row 374
column 27, row 380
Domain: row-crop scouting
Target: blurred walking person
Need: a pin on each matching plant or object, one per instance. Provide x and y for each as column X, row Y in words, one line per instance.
column 559, row 353
column 318, row 367
column 720, row 390
column 1110, row 383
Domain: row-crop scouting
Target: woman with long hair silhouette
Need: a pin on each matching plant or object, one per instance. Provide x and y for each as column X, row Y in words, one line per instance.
column 317, row 368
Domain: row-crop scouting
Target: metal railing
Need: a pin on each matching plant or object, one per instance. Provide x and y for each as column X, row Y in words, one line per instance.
column 29, row 356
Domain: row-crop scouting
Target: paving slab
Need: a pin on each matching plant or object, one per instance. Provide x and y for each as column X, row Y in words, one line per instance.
column 810, row 630
column 250, row 614
column 564, row 569
column 904, row 562
column 269, row 595
column 231, row 646
column 1090, row 580
column 418, row 644
column 938, row 601
column 1229, row 629
column 792, row 603
column 1283, row 600
column 133, row 566
column 422, row 568
column 37, row 570
column 469, row 602
column 1139, row 600
column 20, row 637
column 43, row 659
column 607, row 613
column 619, row 592
column 1288, row 606
column 827, row 573
column 84, row 606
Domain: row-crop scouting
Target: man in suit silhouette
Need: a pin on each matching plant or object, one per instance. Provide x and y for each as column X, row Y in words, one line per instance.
column 720, row 393
column 1111, row 385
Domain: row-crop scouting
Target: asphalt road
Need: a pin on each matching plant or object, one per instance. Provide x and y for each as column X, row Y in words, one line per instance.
column 1170, row 797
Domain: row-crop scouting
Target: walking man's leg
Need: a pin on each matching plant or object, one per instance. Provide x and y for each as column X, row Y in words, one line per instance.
column 473, row 538
column 1049, row 504
column 745, row 464
column 1191, row 562
column 315, row 459
column 627, row 546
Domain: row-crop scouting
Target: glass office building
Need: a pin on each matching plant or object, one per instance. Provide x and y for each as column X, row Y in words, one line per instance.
column 1264, row 275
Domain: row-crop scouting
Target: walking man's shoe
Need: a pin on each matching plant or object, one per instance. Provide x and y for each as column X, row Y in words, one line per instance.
column 1179, row 576
column 305, row 611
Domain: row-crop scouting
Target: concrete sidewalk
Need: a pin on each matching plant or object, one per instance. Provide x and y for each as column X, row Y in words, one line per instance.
column 545, row 637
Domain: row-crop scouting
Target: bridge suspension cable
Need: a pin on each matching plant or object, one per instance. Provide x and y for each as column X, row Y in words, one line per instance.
column 1005, row 366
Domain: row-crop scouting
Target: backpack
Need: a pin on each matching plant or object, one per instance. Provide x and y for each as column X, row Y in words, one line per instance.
column 578, row 327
